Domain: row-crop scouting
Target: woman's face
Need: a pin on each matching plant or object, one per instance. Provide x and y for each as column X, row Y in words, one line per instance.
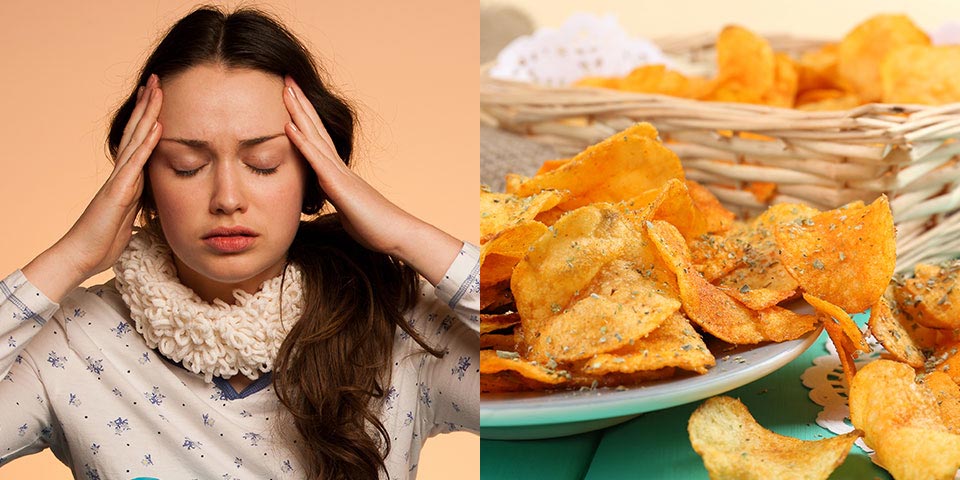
column 227, row 183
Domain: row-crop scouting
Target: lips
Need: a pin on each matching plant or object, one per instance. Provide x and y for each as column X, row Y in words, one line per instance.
column 230, row 239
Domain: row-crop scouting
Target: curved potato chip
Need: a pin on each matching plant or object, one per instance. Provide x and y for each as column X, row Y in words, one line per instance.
column 498, row 341
column 901, row 420
column 931, row 297
column 746, row 67
column 839, row 317
column 784, row 89
column 533, row 374
column 499, row 211
column 606, row 287
column 947, row 395
column 946, row 359
column 620, row 167
column 735, row 447
column 705, row 304
column 490, row 323
column 673, row 344
column 817, row 69
column 495, row 297
column 670, row 202
column 719, row 219
column 845, row 256
column 780, row 324
column 501, row 253
column 939, row 83
column 862, row 51
column 550, row 165
column 891, row 332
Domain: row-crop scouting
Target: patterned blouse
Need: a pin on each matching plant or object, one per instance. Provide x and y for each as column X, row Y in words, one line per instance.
column 79, row 379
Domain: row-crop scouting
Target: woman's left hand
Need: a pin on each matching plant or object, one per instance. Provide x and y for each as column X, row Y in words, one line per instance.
column 368, row 216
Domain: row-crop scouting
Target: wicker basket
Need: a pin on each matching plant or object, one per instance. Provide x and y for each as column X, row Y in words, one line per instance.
column 824, row 159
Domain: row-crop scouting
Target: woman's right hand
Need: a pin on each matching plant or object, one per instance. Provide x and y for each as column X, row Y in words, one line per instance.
column 95, row 241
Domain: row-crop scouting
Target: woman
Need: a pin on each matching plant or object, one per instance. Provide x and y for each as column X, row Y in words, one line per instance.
column 237, row 340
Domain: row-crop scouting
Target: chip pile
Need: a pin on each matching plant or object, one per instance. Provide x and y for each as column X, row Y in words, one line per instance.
column 609, row 269
column 884, row 59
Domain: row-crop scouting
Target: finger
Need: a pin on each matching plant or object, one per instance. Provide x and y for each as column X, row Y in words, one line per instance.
column 137, row 113
column 316, row 156
column 144, row 126
column 130, row 171
column 311, row 112
column 305, row 126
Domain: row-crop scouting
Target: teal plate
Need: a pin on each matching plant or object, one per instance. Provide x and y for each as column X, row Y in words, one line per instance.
column 532, row 415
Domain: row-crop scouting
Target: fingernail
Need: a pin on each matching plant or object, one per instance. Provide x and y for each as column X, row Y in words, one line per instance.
column 292, row 94
column 293, row 125
column 155, row 125
column 139, row 92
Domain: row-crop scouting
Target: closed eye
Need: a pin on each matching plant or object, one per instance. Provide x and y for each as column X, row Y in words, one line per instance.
column 187, row 173
column 263, row 171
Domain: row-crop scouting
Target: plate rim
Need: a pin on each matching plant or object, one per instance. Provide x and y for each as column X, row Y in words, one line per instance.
column 548, row 414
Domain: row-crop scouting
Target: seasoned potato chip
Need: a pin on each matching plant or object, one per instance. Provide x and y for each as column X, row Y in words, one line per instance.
column 862, row 52
column 673, row 344
column 550, row 165
column 780, row 324
column 845, row 256
column 608, row 287
column 762, row 191
column 894, row 335
column 670, row 202
column 706, row 305
column 945, row 359
column 657, row 79
column 512, row 181
column 620, row 167
column 931, row 297
column 735, row 447
column 495, row 297
column 499, row 211
column 760, row 284
column 845, row 349
column 947, row 395
column 719, row 219
column 839, row 317
column 938, row 83
column 784, row 89
column 532, row 375
column 901, row 421
column 492, row 322
column 501, row 253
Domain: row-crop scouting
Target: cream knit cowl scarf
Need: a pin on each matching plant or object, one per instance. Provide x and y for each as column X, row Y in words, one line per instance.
column 215, row 340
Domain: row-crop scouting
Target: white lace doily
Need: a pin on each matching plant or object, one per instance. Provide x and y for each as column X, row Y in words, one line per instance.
column 828, row 390
column 586, row 45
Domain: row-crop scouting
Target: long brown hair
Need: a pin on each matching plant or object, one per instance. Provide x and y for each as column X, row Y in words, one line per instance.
column 334, row 366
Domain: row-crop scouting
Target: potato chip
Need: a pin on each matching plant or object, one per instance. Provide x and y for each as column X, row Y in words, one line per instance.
column 759, row 284
column 784, row 89
column 608, row 287
column 512, row 181
column 673, row 344
column 506, row 342
column 922, row 74
column 839, row 317
column 527, row 375
column 551, row 165
column 499, row 211
column 493, row 322
column 706, row 305
column 947, row 395
column 746, row 67
column 817, row 70
column 844, row 256
column 620, row 167
column 719, row 219
column 894, row 335
column 780, row 324
column 931, row 296
column 658, row 79
column 945, row 359
column 843, row 102
column 862, row 52
column 901, row 421
column 501, row 253
column 670, row 202
column 762, row 191
column 846, row 351
column 735, row 447
column 495, row 297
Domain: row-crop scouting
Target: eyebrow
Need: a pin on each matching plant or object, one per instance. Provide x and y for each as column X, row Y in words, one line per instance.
column 249, row 142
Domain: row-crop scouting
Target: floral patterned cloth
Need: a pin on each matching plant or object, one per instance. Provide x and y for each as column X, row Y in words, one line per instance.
column 79, row 379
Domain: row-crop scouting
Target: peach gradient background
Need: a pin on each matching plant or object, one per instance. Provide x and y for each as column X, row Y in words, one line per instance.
column 410, row 67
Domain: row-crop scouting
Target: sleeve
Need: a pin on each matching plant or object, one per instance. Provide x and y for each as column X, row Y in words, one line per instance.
column 460, row 286
column 450, row 386
column 25, row 418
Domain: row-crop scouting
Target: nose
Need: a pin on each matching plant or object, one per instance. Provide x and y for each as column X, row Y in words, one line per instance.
column 227, row 196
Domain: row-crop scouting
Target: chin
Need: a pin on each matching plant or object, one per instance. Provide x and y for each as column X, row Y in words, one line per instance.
column 234, row 268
